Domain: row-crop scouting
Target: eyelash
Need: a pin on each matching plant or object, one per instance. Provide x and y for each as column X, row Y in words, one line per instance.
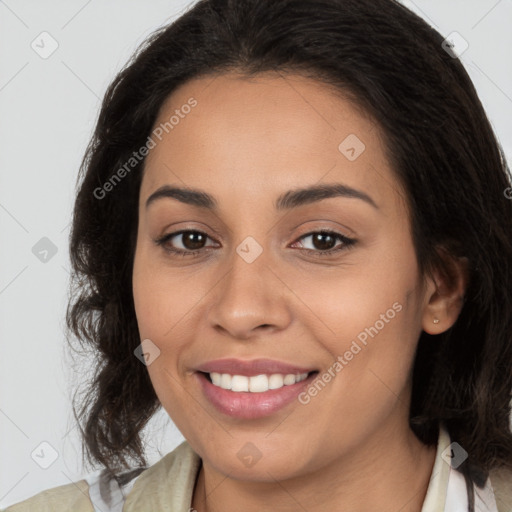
column 347, row 243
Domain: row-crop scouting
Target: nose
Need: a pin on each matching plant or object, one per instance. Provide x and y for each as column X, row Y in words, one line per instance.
column 250, row 299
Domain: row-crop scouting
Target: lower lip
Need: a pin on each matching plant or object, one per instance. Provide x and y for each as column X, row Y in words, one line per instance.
column 251, row 405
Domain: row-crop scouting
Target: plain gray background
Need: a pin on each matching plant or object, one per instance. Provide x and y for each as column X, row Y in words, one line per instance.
column 48, row 109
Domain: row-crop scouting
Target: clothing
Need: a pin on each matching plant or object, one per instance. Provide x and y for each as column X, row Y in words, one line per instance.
column 168, row 485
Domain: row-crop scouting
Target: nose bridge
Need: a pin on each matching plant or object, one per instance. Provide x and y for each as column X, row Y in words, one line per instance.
column 248, row 296
column 249, row 261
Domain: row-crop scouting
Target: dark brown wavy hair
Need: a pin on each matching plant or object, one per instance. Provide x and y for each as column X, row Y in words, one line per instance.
column 440, row 144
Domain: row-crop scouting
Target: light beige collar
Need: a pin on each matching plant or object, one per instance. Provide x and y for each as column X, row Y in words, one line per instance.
column 438, row 484
column 167, row 486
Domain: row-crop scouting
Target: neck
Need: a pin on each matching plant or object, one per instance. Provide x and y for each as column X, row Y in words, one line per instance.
column 390, row 468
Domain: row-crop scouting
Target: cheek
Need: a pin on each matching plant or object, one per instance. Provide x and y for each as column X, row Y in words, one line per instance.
column 341, row 305
column 162, row 302
column 144, row 299
column 153, row 304
column 370, row 330
column 160, row 299
column 371, row 319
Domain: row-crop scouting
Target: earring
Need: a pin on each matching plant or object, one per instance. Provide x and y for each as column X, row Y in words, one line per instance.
column 436, row 320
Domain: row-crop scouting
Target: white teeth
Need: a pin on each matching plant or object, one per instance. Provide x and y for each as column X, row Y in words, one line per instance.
column 239, row 383
column 255, row 384
column 225, row 381
column 258, row 384
column 289, row 379
column 275, row 381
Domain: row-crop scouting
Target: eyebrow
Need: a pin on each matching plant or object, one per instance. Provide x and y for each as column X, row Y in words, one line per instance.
column 288, row 200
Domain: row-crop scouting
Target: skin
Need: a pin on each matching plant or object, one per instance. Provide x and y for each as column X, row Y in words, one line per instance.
column 246, row 142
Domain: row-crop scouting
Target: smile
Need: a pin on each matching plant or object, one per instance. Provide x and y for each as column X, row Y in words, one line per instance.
column 256, row 383
column 253, row 397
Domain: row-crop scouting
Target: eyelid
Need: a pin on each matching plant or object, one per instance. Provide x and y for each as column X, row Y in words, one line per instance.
column 347, row 242
column 165, row 238
column 337, row 228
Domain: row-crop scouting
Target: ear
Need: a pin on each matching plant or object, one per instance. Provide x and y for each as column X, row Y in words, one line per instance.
column 444, row 295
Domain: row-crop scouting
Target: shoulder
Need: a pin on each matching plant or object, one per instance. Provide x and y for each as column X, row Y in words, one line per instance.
column 501, row 481
column 165, row 481
column 72, row 496
column 168, row 484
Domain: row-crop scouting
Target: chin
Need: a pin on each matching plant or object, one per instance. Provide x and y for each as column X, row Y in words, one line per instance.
column 258, row 461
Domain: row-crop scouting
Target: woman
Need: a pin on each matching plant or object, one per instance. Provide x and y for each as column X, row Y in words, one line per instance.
column 292, row 232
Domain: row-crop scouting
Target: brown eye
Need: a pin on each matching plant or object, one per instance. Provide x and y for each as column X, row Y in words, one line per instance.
column 184, row 243
column 324, row 243
column 193, row 240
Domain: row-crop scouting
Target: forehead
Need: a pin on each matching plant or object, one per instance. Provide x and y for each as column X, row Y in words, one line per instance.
column 266, row 133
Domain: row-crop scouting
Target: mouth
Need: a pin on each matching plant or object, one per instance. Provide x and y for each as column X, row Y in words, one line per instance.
column 255, row 396
column 255, row 384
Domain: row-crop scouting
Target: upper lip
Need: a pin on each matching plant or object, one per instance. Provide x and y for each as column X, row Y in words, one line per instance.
column 252, row 367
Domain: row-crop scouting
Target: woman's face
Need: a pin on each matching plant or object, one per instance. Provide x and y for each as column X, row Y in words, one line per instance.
column 278, row 160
